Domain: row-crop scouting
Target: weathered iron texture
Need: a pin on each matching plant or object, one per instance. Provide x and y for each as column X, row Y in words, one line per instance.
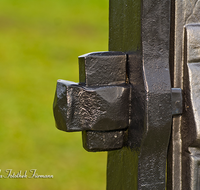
column 145, row 155
column 101, row 140
column 103, row 69
column 99, row 103
column 191, row 116
column 184, row 151
column 78, row 108
column 127, row 100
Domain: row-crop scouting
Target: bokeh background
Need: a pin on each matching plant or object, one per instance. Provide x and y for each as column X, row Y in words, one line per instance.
column 40, row 41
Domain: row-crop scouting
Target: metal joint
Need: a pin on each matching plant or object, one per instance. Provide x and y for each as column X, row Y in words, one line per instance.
column 101, row 105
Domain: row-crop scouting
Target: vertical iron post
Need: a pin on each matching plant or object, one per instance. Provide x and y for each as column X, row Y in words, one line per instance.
column 142, row 30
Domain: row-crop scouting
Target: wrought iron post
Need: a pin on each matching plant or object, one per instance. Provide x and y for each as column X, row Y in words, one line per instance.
column 129, row 100
column 184, row 151
column 142, row 30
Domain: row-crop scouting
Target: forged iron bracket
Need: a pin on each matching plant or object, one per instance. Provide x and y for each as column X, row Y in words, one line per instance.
column 99, row 104
column 132, row 102
column 103, row 104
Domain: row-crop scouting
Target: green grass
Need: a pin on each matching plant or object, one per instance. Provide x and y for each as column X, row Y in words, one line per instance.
column 40, row 41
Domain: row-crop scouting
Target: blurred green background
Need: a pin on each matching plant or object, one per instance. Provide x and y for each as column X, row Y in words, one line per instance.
column 40, row 41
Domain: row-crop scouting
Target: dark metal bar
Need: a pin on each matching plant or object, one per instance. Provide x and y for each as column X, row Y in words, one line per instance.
column 125, row 35
column 141, row 164
column 158, row 114
column 105, row 69
column 125, row 99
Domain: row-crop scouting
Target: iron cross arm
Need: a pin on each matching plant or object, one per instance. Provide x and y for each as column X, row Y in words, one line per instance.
column 100, row 105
